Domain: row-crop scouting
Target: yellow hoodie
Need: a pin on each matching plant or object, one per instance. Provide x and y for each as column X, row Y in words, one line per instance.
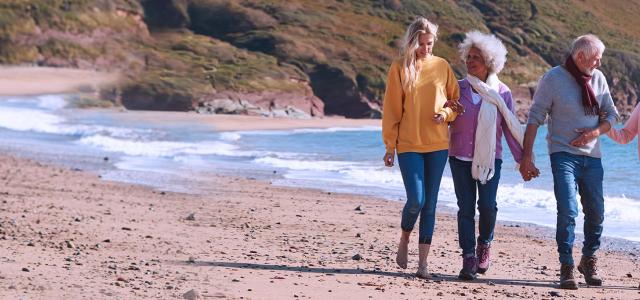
column 407, row 117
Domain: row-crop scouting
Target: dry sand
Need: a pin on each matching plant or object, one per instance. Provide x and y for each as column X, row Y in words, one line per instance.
column 67, row 234
column 240, row 122
column 18, row 80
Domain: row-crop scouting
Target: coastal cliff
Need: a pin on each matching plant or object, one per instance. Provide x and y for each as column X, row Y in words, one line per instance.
column 299, row 58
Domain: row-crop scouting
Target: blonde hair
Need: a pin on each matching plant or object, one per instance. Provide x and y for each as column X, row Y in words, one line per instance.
column 410, row 44
column 493, row 50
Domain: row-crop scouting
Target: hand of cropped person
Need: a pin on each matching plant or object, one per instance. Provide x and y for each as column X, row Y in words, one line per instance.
column 587, row 135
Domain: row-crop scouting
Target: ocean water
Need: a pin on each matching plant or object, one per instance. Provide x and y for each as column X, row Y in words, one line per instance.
column 178, row 157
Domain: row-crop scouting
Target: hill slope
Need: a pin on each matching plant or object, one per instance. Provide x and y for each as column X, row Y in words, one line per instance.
column 300, row 57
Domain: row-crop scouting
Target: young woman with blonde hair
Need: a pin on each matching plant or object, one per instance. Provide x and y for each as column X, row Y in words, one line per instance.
column 415, row 119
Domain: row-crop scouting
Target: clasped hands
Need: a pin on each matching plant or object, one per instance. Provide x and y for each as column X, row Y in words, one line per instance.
column 528, row 169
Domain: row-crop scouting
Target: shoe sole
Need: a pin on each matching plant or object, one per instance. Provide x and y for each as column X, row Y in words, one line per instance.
column 588, row 281
column 569, row 286
column 466, row 276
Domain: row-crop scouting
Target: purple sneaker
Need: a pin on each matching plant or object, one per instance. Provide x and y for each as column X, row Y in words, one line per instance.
column 469, row 267
column 483, row 252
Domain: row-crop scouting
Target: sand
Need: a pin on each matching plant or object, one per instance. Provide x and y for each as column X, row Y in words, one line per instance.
column 67, row 234
column 240, row 122
column 19, row 80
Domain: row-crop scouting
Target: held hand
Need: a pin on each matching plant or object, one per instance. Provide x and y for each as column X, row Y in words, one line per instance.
column 388, row 159
column 455, row 105
column 528, row 169
column 587, row 136
column 438, row 118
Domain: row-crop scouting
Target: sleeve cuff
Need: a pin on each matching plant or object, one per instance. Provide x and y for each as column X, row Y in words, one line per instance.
column 391, row 150
column 533, row 120
column 447, row 112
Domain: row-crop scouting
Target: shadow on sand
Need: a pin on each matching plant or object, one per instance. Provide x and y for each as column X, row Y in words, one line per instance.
column 436, row 276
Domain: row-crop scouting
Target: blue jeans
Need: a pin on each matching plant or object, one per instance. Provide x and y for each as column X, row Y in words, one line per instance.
column 466, row 188
column 583, row 174
column 421, row 173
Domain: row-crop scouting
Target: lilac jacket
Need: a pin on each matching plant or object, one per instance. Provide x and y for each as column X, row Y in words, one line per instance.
column 462, row 131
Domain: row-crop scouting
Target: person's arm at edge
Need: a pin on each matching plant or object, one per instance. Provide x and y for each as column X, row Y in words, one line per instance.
column 630, row 130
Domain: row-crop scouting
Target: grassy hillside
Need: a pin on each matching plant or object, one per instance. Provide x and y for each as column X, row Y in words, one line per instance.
column 178, row 54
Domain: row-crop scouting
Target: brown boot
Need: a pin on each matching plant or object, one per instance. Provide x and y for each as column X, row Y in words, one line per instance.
column 567, row 280
column 588, row 268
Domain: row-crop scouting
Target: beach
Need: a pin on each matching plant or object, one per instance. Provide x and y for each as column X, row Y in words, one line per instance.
column 73, row 230
column 67, row 234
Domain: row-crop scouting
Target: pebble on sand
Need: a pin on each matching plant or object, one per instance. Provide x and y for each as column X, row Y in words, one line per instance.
column 191, row 295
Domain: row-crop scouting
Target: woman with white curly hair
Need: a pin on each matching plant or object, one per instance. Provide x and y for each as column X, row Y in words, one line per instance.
column 475, row 149
column 414, row 125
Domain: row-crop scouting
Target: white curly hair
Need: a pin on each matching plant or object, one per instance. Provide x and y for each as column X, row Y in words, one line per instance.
column 493, row 51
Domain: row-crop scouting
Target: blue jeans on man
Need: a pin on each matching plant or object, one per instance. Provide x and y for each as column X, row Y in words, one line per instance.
column 466, row 187
column 574, row 174
column 421, row 174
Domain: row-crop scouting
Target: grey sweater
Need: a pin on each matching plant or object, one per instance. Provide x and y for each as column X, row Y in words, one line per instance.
column 559, row 96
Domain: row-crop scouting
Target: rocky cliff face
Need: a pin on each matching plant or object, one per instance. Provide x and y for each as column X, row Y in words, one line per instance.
column 300, row 57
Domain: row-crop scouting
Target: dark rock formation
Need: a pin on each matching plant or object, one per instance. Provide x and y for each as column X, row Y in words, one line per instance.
column 162, row 14
column 220, row 18
column 340, row 93
column 145, row 97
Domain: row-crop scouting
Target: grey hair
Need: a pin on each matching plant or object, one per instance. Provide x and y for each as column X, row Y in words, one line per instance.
column 493, row 51
column 588, row 44
column 410, row 44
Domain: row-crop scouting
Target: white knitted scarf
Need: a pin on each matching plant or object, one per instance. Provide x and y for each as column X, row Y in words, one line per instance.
column 484, row 155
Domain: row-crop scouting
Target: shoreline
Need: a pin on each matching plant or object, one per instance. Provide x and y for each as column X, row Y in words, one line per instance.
column 231, row 123
column 247, row 238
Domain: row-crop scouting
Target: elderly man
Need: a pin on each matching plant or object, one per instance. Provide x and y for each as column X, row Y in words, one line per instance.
column 575, row 96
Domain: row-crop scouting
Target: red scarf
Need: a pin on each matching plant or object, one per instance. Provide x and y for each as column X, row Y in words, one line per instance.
column 589, row 102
